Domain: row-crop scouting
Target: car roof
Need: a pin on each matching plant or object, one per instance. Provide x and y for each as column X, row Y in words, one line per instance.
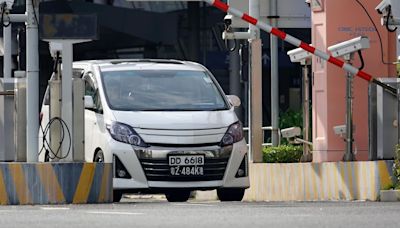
column 143, row 64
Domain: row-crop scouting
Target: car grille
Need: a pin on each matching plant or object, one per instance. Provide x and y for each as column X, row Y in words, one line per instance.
column 158, row 170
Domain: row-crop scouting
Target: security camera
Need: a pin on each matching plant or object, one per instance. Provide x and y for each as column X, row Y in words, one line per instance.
column 383, row 6
column 341, row 130
column 298, row 54
column 349, row 46
column 228, row 20
column 291, row 132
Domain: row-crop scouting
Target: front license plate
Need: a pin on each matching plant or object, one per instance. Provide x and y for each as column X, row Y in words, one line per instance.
column 186, row 160
column 187, row 171
column 186, row 165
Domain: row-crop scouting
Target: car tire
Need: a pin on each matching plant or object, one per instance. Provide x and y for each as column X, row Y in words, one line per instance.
column 230, row 194
column 99, row 157
column 117, row 196
column 177, row 195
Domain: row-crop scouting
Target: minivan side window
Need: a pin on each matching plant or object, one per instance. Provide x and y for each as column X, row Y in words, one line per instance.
column 90, row 90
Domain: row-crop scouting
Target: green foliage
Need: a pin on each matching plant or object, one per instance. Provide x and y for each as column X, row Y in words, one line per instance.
column 282, row 154
column 288, row 119
column 291, row 118
column 396, row 167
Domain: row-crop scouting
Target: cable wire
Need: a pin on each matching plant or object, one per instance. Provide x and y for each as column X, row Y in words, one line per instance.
column 46, row 144
column 361, row 59
column 376, row 29
column 64, row 127
column 387, row 21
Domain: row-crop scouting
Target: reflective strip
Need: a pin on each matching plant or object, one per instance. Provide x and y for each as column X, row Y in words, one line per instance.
column 50, row 183
column 322, row 54
column 236, row 13
column 385, row 179
column 364, row 75
column 264, row 26
column 307, row 47
column 220, row 5
column 278, row 33
column 21, row 187
column 105, row 181
column 336, row 61
column 293, row 40
column 249, row 19
column 3, row 191
column 349, row 68
column 85, row 183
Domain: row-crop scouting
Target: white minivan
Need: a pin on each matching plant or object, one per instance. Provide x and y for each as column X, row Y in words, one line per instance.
column 166, row 125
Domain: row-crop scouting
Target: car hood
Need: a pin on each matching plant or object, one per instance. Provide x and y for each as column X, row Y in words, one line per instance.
column 176, row 120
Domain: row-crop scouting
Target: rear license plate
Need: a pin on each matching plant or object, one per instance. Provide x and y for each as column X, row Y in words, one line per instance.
column 186, row 165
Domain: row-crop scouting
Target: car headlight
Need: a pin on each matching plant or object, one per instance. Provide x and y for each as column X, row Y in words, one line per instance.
column 233, row 134
column 125, row 133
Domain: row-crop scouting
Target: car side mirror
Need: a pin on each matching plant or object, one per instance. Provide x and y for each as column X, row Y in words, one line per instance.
column 234, row 100
column 89, row 103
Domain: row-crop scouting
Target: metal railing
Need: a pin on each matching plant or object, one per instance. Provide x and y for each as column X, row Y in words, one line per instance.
column 269, row 128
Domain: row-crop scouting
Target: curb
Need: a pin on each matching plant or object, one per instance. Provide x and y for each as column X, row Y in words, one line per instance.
column 390, row 195
column 318, row 181
column 55, row 183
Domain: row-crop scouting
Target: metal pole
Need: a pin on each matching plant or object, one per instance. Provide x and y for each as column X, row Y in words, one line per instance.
column 7, row 63
column 234, row 74
column 306, row 111
column 256, row 139
column 32, row 74
column 66, row 91
column 274, row 77
column 398, row 113
column 255, row 109
column 349, row 156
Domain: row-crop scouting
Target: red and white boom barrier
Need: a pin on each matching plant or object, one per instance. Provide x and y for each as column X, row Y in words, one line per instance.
column 298, row 43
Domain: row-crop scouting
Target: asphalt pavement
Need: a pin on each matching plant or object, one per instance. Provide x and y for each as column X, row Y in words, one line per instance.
column 156, row 212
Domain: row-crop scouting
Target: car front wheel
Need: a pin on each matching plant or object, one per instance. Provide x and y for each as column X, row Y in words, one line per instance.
column 230, row 194
column 99, row 157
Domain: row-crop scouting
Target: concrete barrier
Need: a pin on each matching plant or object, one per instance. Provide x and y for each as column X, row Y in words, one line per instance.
column 55, row 183
column 319, row 181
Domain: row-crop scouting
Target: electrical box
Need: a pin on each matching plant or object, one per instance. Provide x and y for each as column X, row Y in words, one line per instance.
column 7, row 152
column 383, row 114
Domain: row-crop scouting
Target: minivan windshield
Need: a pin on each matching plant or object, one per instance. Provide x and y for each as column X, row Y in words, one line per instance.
column 162, row 90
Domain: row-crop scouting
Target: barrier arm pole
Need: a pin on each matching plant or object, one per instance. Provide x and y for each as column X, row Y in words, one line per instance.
column 298, row 43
